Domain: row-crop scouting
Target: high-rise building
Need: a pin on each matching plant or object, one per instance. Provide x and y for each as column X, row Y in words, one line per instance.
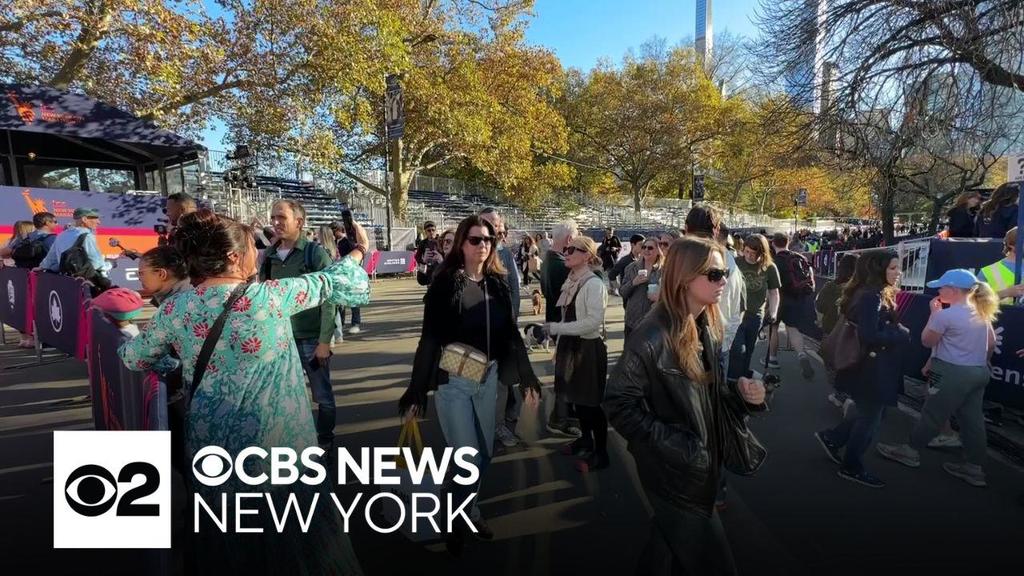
column 809, row 82
column 703, row 35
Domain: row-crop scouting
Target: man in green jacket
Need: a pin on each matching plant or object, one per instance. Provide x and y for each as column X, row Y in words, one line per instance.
column 291, row 256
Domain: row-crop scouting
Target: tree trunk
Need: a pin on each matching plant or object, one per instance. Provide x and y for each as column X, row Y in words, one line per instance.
column 887, row 201
column 637, row 195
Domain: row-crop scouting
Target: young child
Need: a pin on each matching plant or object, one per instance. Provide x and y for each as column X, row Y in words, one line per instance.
column 538, row 303
column 121, row 306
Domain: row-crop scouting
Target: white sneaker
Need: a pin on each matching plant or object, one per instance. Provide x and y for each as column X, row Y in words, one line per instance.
column 354, row 330
column 944, row 441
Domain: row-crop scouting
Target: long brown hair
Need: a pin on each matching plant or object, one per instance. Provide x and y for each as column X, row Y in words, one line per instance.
column 870, row 274
column 1004, row 195
column 688, row 258
column 759, row 244
column 454, row 261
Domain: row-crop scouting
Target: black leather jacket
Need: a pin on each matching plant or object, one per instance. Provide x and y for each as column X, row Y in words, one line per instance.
column 661, row 413
column 441, row 312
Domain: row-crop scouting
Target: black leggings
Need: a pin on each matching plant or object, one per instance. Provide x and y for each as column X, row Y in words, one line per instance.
column 594, row 425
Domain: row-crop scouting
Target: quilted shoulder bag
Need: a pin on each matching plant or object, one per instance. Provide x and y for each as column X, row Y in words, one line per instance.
column 465, row 361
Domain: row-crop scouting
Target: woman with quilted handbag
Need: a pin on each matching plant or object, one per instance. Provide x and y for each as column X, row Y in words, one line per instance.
column 468, row 342
column 875, row 376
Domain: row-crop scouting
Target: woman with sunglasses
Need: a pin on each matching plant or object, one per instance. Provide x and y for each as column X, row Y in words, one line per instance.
column 669, row 398
column 445, row 242
column 874, row 382
column 581, row 357
column 468, row 314
column 639, row 286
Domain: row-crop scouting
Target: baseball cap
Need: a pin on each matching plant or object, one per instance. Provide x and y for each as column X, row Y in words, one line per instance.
column 957, row 277
column 119, row 303
column 85, row 213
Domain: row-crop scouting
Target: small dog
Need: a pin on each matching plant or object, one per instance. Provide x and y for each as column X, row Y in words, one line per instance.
column 534, row 337
column 538, row 303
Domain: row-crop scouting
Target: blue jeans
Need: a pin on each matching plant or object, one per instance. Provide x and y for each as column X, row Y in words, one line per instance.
column 323, row 392
column 465, row 410
column 743, row 344
column 357, row 316
column 858, row 431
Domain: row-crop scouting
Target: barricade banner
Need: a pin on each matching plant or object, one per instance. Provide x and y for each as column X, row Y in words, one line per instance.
column 122, row 399
column 972, row 253
column 14, row 310
column 1007, row 370
column 394, row 262
column 60, row 304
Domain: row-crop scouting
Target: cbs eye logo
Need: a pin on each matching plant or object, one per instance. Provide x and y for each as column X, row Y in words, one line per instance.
column 111, row 489
column 211, row 466
column 92, row 491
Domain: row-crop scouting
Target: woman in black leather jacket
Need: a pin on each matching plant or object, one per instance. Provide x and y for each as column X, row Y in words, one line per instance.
column 869, row 301
column 468, row 303
column 668, row 397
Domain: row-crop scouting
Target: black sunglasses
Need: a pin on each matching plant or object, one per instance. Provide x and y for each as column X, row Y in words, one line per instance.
column 664, row 244
column 570, row 250
column 476, row 240
column 716, row 274
column 649, row 247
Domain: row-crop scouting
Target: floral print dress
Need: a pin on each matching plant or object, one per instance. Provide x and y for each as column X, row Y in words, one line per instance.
column 254, row 394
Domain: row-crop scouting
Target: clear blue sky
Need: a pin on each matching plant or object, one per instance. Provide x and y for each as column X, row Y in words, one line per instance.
column 580, row 32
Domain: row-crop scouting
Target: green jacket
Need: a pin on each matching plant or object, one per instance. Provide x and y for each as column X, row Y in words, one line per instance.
column 315, row 322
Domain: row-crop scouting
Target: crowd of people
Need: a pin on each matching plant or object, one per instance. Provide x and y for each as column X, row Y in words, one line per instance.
column 239, row 330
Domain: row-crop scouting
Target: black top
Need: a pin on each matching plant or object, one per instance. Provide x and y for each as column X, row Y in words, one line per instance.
column 609, row 251
column 345, row 245
column 961, row 222
column 472, row 328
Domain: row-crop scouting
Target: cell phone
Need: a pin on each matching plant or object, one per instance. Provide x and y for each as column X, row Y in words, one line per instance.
column 160, row 229
column 432, row 245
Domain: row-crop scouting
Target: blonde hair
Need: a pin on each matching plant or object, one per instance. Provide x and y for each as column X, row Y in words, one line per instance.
column 325, row 237
column 985, row 301
column 22, row 228
column 588, row 245
column 688, row 258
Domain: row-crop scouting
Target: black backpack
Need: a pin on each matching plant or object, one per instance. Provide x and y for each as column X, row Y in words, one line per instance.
column 75, row 260
column 797, row 274
column 30, row 254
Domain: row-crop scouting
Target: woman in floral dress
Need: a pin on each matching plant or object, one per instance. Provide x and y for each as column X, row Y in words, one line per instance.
column 253, row 392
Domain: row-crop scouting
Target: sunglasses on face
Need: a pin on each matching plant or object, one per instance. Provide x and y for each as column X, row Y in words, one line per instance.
column 649, row 247
column 570, row 250
column 664, row 244
column 476, row 240
column 716, row 275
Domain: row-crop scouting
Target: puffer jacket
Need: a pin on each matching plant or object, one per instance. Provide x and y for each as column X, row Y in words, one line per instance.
column 661, row 414
column 441, row 312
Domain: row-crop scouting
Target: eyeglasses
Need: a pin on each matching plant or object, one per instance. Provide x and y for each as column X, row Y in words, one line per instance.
column 449, row 240
column 649, row 247
column 716, row 275
column 476, row 240
column 570, row 250
column 664, row 244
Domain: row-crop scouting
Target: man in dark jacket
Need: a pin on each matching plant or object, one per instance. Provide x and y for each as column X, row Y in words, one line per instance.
column 428, row 242
column 292, row 256
column 636, row 241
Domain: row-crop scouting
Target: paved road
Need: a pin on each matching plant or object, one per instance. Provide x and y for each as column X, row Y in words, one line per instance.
column 795, row 517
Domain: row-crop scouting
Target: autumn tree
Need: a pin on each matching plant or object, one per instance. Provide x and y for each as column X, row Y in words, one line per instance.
column 652, row 116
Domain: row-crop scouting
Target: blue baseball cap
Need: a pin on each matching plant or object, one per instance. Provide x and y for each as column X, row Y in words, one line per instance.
column 957, row 277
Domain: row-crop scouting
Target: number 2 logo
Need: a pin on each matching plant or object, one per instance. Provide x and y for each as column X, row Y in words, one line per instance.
column 92, row 491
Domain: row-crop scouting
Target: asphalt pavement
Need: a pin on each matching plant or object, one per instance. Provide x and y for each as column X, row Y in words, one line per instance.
column 796, row 516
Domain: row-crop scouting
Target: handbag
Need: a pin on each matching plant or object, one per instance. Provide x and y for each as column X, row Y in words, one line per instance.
column 211, row 341
column 464, row 361
column 842, row 349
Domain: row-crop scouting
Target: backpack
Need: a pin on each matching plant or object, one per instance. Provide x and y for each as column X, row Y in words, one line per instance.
column 797, row 274
column 30, row 254
column 75, row 261
column 309, row 259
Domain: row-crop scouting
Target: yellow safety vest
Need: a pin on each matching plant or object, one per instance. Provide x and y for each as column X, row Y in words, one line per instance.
column 999, row 276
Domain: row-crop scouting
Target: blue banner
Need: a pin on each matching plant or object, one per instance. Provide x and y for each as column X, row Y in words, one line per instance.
column 122, row 399
column 14, row 308
column 59, row 312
